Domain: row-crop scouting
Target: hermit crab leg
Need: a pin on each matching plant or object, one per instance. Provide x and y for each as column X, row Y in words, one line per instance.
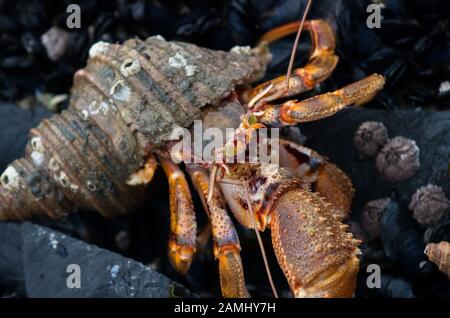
column 183, row 225
column 226, row 242
column 326, row 179
column 324, row 105
column 144, row 175
column 321, row 64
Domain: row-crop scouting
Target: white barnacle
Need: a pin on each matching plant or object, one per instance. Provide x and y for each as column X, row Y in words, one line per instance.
column 53, row 165
column 10, row 179
column 38, row 158
column 101, row 109
column 64, row 180
column 74, row 187
column 130, row 67
column 120, row 91
column 37, row 155
column 92, row 108
column 91, row 186
column 179, row 61
column 36, row 144
column 98, row 48
column 85, row 114
column 242, row 50
column 160, row 37
column 190, row 70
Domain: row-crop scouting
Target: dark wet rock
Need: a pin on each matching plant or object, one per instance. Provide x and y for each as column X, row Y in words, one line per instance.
column 12, row 282
column 332, row 137
column 391, row 286
column 15, row 123
column 402, row 239
column 47, row 255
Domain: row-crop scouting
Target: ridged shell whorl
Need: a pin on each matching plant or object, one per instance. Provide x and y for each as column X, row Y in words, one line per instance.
column 126, row 100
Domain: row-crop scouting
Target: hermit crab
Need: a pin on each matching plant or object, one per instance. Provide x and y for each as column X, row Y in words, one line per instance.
column 102, row 151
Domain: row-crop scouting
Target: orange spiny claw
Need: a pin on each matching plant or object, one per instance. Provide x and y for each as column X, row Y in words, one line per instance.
column 183, row 226
column 313, row 249
column 325, row 265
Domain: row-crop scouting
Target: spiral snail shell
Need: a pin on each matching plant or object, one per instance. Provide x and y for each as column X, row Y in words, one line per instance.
column 125, row 102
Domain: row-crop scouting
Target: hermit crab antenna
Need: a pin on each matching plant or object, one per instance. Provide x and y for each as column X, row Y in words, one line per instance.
column 294, row 48
column 258, row 236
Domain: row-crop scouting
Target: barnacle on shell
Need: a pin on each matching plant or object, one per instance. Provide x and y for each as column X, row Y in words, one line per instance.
column 371, row 216
column 398, row 160
column 440, row 255
column 370, row 137
column 429, row 204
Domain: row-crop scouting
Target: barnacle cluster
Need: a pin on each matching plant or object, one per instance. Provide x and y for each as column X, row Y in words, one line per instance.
column 370, row 137
column 371, row 216
column 429, row 204
column 398, row 160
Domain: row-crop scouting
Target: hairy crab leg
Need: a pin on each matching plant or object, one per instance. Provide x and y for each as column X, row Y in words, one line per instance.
column 321, row 106
column 226, row 242
column 183, row 225
column 321, row 64
column 316, row 254
column 326, row 179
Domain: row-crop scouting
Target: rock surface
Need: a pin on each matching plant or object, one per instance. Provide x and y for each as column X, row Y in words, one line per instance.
column 332, row 137
column 34, row 261
column 15, row 123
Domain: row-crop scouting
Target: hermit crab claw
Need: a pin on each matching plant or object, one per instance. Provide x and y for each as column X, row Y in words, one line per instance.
column 316, row 254
column 326, row 264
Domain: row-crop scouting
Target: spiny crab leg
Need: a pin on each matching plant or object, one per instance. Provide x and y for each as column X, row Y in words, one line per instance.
column 183, row 225
column 321, row 64
column 226, row 242
column 324, row 105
